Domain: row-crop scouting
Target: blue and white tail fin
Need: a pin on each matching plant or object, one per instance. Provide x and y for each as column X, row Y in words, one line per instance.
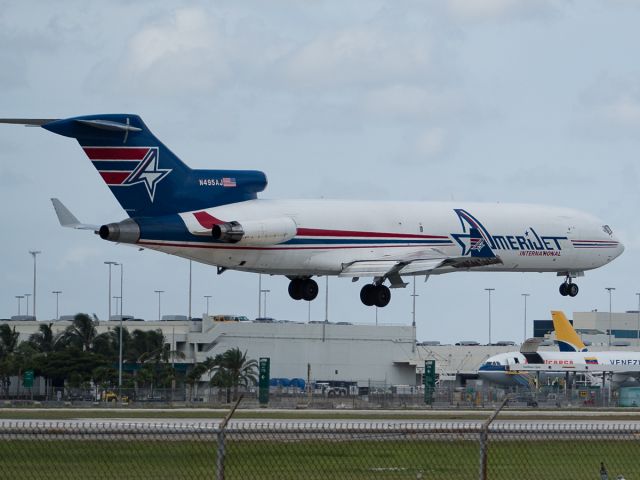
column 143, row 174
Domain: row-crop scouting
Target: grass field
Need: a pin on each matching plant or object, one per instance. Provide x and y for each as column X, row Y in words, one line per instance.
column 321, row 460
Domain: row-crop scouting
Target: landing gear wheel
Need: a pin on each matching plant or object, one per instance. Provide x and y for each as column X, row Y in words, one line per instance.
column 564, row 289
column 309, row 289
column 572, row 289
column 296, row 288
column 382, row 296
column 367, row 295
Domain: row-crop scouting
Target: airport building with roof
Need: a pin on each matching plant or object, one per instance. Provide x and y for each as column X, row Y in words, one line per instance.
column 358, row 354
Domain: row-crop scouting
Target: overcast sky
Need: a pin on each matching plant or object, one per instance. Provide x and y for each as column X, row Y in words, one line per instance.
column 493, row 100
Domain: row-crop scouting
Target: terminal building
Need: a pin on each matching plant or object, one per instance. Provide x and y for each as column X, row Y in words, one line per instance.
column 361, row 354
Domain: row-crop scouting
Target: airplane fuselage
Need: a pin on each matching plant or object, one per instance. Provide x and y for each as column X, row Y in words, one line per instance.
column 333, row 233
column 503, row 368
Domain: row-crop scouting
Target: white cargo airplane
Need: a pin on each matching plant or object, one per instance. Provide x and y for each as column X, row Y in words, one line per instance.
column 215, row 217
column 503, row 368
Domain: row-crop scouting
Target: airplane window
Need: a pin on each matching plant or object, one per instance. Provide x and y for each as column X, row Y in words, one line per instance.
column 607, row 229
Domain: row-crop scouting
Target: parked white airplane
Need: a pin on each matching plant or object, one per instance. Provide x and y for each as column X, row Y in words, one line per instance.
column 215, row 217
column 503, row 368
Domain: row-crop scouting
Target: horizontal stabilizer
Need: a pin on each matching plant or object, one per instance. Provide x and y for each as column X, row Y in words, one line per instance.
column 29, row 122
column 68, row 219
column 109, row 125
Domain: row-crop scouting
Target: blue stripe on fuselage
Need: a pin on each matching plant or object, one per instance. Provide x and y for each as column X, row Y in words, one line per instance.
column 172, row 228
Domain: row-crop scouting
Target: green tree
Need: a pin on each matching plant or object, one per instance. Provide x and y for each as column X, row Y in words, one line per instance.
column 44, row 340
column 8, row 339
column 150, row 349
column 231, row 370
column 193, row 377
column 81, row 333
column 8, row 344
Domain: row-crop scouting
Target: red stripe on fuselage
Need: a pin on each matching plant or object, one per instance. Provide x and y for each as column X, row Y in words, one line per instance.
column 318, row 232
column 100, row 153
column 218, row 246
column 114, row 178
column 595, row 241
column 206, row 220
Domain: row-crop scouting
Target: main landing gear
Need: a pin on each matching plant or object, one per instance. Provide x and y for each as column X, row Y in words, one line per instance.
column 569, row 288
column 303, row 289
column 378, row 295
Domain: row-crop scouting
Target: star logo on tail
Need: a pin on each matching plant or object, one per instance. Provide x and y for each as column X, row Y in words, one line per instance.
column 148, row 173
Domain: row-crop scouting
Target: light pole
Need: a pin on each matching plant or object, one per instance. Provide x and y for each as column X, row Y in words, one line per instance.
column 120, row 332
column 19, row 297
column 159, row 292
column 259, row 295
column 27, row 295
column 489, row 290
column 326, row 300
column 110, row 263
column 189, row 289
column 413, row 312
column 33, row 254
column 116, row 298
column 265, row 300
column 207, row 297
column 57, row 294
column 610, row 289
column 525, row 295
column 638, row 331
column 121, row 286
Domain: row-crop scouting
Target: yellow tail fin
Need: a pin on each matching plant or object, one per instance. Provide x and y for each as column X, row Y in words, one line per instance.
column 567, row 338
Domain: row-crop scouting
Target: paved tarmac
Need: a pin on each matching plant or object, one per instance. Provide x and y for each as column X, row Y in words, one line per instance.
column 313, row 424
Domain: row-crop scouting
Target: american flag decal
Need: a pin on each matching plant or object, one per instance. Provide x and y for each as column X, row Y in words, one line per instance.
column 228, row 182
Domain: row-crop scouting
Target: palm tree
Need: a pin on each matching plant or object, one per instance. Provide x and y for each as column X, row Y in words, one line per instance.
column 44, row 341
column 193, row 377
column 232, row 369
column 8, row 339
column 81, row 332
column 8, row 344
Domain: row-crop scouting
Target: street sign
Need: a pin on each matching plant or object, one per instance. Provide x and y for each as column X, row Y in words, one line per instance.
column 263, row 380
column 27, row 379
column 429, row 380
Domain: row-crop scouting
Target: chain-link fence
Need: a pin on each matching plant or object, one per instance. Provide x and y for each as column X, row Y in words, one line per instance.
column 311, row 450
column 443, row 396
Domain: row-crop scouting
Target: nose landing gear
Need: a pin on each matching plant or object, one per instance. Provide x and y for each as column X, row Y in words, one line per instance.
column 378, row 295
column 303, row 289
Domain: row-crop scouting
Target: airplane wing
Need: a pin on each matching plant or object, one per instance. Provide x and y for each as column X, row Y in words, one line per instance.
column 422, row 263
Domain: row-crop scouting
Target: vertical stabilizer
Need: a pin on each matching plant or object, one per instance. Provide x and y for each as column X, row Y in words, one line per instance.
column 566, row 336
column 143, row 174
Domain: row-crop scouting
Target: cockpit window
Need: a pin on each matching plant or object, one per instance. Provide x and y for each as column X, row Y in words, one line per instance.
column 607, row 229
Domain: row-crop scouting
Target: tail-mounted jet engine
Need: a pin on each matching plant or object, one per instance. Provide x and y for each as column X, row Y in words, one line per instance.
column 256, row 232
